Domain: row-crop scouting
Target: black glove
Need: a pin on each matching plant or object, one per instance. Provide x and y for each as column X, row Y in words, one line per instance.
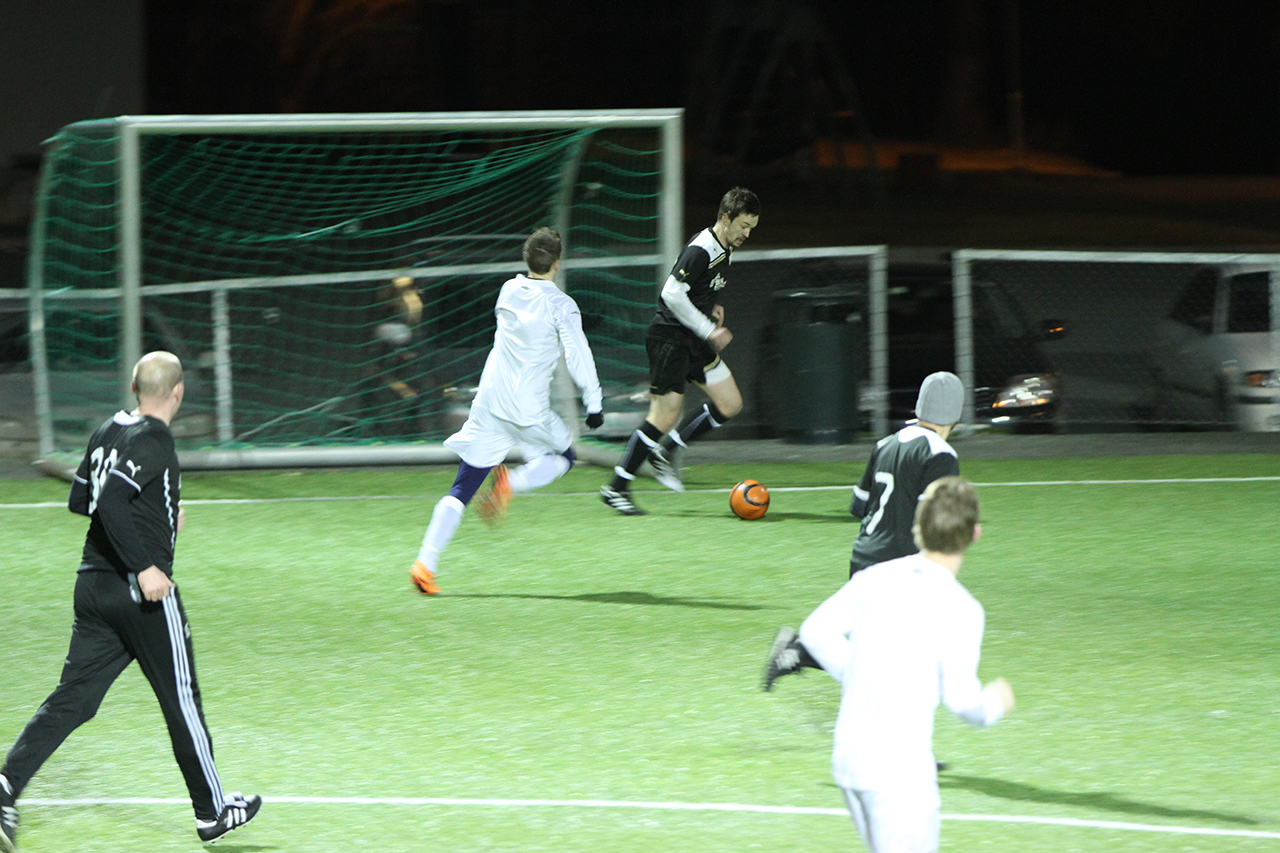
column 595, row 419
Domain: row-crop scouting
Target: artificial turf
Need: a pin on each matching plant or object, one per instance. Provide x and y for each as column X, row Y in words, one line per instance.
column 579, row 665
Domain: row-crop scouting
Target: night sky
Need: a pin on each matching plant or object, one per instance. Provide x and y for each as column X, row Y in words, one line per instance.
column 1160, row 87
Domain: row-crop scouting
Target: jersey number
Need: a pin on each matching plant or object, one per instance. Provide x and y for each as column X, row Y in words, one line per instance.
column 887, row 479
column 100, row 465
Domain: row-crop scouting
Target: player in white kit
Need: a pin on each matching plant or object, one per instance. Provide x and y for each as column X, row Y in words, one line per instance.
column 901, row 636
column 536, row 323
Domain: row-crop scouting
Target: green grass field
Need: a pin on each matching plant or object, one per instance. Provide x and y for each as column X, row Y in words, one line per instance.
column 589, row 682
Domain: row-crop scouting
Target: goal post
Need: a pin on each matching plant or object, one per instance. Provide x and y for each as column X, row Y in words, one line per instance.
column 271, row 252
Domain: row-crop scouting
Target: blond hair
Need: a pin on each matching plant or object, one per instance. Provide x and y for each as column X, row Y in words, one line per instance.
column 946, row 516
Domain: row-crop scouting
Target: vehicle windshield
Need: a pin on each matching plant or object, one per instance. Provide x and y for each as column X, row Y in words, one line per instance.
column 924, row 306
column 1004, row 315
column 920, row 306
column 1249, row 308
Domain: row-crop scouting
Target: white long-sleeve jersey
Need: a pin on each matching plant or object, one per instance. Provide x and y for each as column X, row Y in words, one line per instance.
column 536, row 322
column 899, row 636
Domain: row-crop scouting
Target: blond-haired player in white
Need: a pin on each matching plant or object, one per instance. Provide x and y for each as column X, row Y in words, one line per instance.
column 901, row 636
column 536, row 323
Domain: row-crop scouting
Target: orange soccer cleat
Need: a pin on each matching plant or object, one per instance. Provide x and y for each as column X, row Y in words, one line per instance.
column 492, row 505
column 423, row 578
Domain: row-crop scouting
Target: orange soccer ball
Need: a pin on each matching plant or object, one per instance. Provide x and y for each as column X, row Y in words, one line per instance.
column 749, row 499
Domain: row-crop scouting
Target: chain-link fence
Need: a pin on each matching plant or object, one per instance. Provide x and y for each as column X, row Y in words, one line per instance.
column 1144, row 340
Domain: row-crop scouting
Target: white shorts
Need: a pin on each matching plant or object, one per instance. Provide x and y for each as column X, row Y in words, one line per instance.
column 485, row 439
column 897, row 820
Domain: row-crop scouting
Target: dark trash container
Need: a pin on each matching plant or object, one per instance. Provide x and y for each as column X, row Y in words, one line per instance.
column 820, row 337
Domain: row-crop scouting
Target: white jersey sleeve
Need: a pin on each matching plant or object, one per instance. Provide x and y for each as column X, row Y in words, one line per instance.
column 675, row 295
column 577, row 352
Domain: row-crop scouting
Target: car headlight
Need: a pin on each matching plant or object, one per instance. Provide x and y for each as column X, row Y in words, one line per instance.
column 1262, row 379
column 1027, row 390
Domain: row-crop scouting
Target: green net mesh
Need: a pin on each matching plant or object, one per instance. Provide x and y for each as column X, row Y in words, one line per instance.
column 269, row 262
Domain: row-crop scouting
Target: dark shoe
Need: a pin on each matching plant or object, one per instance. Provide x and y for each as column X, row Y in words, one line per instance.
column 238, row 811
column 8, row 818
column 783, row 657
column 621, row 501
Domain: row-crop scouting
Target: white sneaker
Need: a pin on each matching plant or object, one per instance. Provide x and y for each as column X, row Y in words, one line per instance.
column 665, row 469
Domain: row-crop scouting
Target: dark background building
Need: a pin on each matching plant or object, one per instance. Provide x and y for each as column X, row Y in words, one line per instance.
column 982, row 116
column 926, row 125
column 1142, row 87
column 773, row 88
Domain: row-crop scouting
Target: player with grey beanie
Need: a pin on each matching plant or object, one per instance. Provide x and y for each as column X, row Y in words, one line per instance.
column 941, row 399
column 885, row 499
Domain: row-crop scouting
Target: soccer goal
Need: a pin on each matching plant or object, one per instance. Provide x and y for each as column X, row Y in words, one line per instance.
column 328, row 280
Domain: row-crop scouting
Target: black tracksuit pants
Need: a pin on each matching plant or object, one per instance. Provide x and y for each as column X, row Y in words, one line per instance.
column 111, row 630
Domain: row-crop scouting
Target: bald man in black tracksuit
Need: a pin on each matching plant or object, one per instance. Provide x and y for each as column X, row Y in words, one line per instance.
column 127, row 607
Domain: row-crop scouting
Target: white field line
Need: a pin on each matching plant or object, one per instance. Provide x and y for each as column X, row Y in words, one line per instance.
column 1054, row 483
column 652, row 806
column 213, row 501
column 331, row 498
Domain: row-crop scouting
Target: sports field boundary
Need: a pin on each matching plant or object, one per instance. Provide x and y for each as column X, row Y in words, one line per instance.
column 780, row 489
column 466, row 802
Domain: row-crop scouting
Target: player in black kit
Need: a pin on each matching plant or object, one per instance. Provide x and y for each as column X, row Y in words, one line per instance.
column 900, row 468
column 683, row 342
column 127, row 607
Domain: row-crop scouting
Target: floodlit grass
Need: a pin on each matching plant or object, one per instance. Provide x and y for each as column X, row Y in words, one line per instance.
column 576, row 655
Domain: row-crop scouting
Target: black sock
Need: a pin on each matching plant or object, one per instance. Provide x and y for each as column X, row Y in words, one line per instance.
column 806, row 659
column 638, row 449
column 696, row 425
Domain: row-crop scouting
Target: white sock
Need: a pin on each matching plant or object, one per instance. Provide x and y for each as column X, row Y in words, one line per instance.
column 445, row 519
column 539, row 472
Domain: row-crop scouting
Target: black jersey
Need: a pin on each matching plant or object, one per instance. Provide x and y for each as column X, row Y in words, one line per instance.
column 702, row 266
column 900, row 468
column 128, row 485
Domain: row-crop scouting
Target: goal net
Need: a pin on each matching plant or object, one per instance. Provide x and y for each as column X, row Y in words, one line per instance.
column 328, row 280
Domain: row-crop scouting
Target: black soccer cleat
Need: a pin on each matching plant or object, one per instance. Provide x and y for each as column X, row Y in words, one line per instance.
column 8, row 818
column 238, row 811
column 665, row 469
column 621, row 501
column 784, row 657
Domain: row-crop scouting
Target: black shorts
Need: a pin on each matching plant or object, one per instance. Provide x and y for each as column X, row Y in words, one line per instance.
column 674, row 364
